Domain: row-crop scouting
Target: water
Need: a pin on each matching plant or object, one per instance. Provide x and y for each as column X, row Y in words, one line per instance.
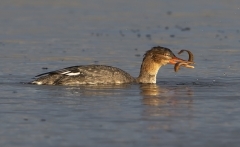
column 194, row 107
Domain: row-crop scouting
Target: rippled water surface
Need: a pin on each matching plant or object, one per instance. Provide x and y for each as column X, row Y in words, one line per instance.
column 193, row 107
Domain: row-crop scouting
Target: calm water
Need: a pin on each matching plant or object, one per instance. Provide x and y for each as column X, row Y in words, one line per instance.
column 194, row 107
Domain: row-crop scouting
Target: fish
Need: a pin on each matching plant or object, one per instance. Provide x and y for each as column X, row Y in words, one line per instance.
column 185, row 64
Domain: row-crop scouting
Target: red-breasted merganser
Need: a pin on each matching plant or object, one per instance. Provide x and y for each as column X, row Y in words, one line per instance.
column 102, row 74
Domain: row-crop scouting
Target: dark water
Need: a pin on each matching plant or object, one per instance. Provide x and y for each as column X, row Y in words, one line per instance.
column 194, row 107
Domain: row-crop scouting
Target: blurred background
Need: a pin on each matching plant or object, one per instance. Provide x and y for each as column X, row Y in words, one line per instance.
column 87, row 32
column 194, row 107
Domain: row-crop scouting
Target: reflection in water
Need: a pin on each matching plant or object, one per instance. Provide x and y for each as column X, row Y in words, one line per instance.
column 164, row 105
column 71, row 96
column 97, row 90
column 155, row 96
column 165, row 101
column 150, row 89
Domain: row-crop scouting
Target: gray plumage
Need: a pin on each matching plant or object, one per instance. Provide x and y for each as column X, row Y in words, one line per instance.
column 84, row 74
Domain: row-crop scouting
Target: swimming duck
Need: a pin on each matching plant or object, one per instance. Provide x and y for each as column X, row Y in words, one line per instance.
column 103, row 74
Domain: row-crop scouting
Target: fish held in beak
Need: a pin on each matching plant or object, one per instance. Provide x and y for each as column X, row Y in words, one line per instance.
column 184, row 62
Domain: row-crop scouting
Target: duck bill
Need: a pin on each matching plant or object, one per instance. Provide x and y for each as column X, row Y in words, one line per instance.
column 175, row 60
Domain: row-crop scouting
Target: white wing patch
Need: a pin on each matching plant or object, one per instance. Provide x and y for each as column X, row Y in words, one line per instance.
column 69, row 73
column 73, row 74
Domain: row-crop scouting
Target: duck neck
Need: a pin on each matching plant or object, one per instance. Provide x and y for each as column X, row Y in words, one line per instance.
column 148, row 71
